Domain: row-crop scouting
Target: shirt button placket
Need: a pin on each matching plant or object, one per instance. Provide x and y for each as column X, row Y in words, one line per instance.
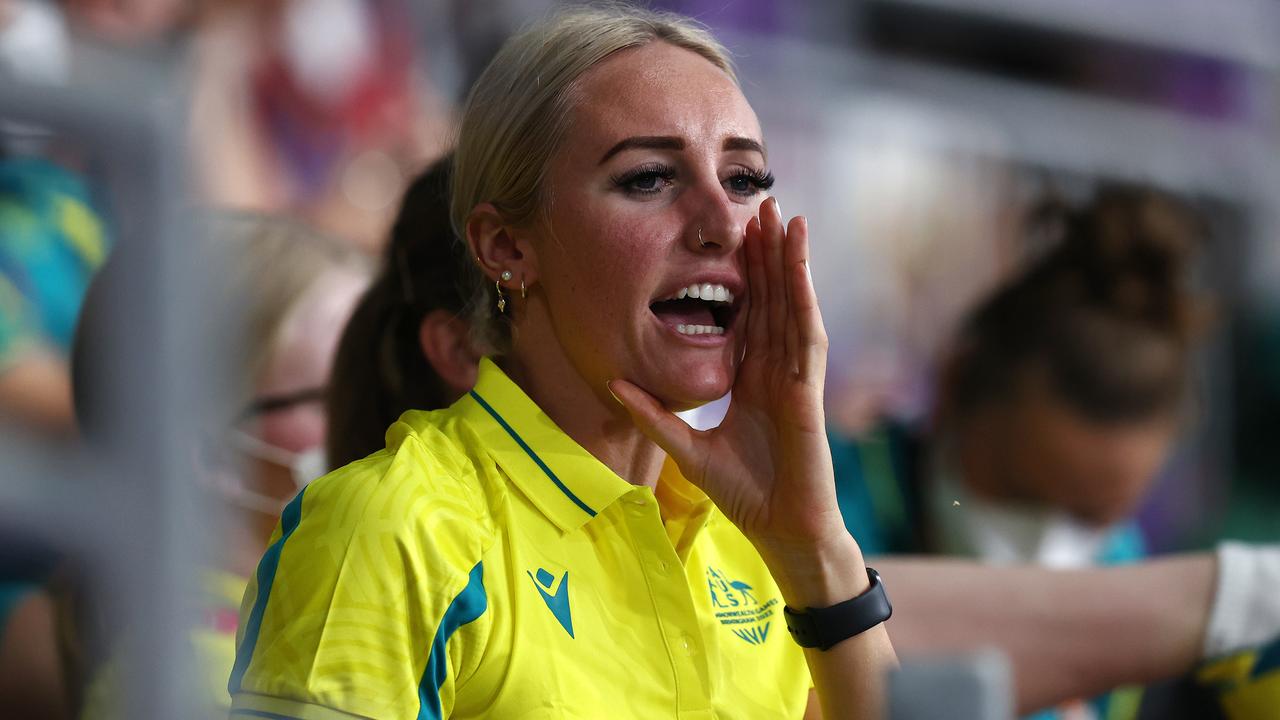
column 673, row 603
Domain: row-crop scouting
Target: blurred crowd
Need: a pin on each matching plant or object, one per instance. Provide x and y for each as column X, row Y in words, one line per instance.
column 1029, row 364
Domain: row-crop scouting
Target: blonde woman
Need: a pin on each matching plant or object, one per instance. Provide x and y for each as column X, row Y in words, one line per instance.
column 557, row 543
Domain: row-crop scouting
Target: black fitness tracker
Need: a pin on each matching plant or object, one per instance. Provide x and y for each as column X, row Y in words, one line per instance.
column 822, row 628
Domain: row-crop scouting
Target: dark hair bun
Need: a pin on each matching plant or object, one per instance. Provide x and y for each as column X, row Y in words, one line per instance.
column 1106, row 309
column 1128, row 255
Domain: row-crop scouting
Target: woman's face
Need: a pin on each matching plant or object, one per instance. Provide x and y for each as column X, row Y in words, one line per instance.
column 305, row 348
column 1041, row 450
column 662, row 147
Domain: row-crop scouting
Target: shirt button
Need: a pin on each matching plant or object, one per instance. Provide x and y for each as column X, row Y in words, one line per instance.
column 662, row 567
column 686, row 644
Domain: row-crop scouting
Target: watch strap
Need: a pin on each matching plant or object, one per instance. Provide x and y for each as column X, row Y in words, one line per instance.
column 823, row 628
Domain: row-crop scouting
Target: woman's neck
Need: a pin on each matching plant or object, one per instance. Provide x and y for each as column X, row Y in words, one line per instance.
column 588, row 414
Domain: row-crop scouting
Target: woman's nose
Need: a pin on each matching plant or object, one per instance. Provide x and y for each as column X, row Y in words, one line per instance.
column 718, row 225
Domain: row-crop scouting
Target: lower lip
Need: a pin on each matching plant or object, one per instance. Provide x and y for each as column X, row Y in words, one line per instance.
column 707, row 340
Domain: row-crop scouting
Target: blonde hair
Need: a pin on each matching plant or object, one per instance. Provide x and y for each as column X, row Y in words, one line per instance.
column 519, row 111
column 274, row 262
column 248, row 271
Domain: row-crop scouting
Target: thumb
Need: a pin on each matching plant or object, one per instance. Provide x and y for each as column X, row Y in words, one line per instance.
column 656, row 422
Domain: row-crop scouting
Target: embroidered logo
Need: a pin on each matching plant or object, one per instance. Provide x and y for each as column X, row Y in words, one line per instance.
column 558, row 600
column 737, row 607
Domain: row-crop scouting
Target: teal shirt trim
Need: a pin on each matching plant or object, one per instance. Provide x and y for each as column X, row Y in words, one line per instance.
column 266, row 575
column 525, row 446
column 468, row 606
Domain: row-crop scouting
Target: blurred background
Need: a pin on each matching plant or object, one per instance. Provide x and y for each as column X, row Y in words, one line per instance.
column 914, row 134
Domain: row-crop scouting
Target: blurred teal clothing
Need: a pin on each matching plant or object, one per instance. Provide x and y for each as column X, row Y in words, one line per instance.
column 51, row 242
column 876, row 491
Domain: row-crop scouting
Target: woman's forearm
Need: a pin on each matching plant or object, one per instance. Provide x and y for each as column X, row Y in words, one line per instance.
column 1068, row 633
column 849, row 677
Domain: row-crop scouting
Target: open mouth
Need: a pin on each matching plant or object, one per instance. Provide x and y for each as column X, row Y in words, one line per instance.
column 699, row 309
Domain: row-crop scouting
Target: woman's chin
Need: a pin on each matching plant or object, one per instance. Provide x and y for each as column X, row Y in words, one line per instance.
column 685, row 392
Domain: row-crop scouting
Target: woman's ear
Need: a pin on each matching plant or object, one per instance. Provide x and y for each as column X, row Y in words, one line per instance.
column 446, row 342
column 499, row 247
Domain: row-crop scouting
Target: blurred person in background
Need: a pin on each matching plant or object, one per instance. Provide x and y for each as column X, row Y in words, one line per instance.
column 1058, row 401
column 52, row 240
column 1057, row 408
column 1064, row 394
column 312, row 107
column 287, row 292
column 1066, row 389
column 52, row 235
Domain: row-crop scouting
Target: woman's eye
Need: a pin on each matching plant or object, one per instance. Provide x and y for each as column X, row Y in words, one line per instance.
column 645, row 180
column 749, row 183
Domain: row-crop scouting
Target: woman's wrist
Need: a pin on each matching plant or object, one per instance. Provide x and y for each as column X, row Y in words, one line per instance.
column 817, row 573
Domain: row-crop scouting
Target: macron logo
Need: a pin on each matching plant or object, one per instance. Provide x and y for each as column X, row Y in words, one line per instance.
column 557, row 602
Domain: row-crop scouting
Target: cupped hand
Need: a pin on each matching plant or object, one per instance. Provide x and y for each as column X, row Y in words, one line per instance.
column 768, row 465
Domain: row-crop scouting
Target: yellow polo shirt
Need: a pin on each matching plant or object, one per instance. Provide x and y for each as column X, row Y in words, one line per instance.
column 486, row 565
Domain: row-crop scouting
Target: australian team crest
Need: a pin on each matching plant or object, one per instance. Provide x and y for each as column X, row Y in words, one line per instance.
column 737, row 607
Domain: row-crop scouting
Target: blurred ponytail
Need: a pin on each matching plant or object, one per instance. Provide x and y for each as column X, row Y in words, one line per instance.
column 380, row 370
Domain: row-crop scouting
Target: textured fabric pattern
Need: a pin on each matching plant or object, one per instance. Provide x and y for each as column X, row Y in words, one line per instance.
column 485, row 565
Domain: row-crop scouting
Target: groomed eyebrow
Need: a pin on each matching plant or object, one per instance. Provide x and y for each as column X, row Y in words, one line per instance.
column 743, row 143
column 668, row 142
column 650, row 142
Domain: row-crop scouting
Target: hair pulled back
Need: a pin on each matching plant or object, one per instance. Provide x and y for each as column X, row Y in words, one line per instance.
column 1106, row 313
column 380, row 370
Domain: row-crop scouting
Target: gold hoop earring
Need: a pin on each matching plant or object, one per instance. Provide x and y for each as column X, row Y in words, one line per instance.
column 522, row 291
column 502, row 299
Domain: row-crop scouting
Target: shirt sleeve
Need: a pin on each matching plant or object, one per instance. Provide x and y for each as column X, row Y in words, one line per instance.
column 370, row 599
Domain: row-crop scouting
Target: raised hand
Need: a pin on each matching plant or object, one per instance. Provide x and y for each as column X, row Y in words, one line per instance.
column 768, row 465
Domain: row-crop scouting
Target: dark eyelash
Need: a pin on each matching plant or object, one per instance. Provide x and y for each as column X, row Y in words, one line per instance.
column 624, row 180
column 761, row 179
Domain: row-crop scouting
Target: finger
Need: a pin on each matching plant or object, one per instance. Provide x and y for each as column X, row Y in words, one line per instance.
column 792, row 342
column 757, row 290
column 810, row 333
column 771, row 225
column 657, row 423
column 794, row 251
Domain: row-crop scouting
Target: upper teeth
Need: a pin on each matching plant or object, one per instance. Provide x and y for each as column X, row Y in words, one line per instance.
column 705, row 291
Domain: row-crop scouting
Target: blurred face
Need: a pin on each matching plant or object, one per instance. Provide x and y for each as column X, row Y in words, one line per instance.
column 291, row 386
column 663, row 148
column 1041, row 451
column 303, row 358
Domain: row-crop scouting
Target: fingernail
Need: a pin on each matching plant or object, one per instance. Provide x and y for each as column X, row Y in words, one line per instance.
column 609, row 386
column 777, row 206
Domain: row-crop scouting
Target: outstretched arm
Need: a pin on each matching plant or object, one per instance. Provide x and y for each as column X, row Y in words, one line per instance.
column 1068, row 633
